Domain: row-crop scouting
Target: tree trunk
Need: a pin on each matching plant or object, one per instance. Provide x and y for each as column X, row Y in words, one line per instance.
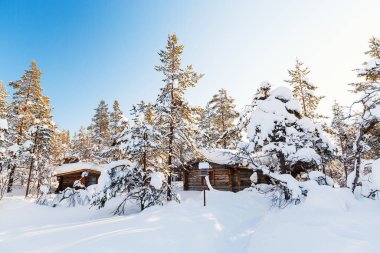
column 223, row 130
column 357, row 172
column 31, row 165
column 11, row 179
column 345, row 166
column 358, row 152
column 144, row 155
column 29, row 178
column 345, row 172
column 283, row 167
column 171, row 135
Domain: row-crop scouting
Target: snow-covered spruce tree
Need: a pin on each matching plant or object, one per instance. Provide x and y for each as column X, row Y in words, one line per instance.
column 28, row 102
column 368, row 118
column 118, row 123
column 344, row 135
column 282, row 144
column 303, row 90
column 218, row 121
column 174, row 116
column 100, row 131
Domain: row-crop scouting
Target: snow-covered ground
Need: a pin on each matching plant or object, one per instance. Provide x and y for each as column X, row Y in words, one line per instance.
column 330, row 220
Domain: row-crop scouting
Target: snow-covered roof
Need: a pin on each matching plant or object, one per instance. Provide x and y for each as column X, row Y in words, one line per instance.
column 70, row 167
column 219, row 156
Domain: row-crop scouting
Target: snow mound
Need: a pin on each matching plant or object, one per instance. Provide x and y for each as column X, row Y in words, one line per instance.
column 293, row 105
column 156, row 179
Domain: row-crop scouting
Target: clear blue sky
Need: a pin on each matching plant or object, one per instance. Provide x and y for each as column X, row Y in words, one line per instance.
column 93, row 50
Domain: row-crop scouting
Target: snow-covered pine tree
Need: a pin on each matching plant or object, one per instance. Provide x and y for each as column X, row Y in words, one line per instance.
column 218, row 121
column 39, row 148
column 344, row 136
column 27, row 104
column 3, row 101
column 60, row 146
column 4, row 159
column 281, row 143
column 174, row 116
column 118, row 123
column 303, row 90
column 100, row 130
column 141, row 141
column 368, row 118
column 81, row 146
column 140, row 180
column 204, row 133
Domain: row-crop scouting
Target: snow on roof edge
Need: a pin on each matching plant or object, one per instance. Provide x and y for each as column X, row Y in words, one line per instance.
column 219, row 156
column 70, row 167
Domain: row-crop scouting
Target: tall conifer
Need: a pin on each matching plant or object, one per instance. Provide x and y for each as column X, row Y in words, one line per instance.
column 174, row 115
column 303, row 90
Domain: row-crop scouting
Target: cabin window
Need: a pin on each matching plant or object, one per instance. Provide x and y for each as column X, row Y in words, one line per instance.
column 92, row 180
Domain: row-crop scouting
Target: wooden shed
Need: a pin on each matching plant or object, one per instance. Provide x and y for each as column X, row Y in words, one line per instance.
column 224, row 174
column 67, row 174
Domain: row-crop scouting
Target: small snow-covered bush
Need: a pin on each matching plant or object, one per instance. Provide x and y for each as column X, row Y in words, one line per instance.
column 321, row 178
column 130, row 181
column 71, row 198
column 44, row 198
column 282, row 189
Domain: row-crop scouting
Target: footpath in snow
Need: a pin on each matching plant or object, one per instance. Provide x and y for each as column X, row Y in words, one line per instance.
column 330, row 221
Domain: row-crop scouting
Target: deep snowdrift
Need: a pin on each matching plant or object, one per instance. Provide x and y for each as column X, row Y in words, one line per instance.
column 330, row 220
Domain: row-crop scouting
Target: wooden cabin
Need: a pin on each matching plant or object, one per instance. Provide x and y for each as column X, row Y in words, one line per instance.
column 224, row 173
column 67, row 174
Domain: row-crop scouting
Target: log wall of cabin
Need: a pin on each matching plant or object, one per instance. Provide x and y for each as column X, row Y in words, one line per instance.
column 222, row 177
column 69, row 179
